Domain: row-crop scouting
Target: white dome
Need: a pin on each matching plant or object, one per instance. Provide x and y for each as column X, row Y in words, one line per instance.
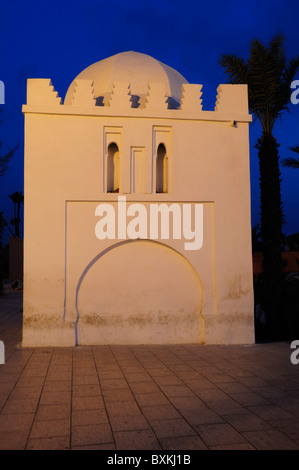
column 136, row 69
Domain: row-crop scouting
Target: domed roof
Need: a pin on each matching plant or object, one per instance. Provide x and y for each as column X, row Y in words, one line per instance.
column 136, row 69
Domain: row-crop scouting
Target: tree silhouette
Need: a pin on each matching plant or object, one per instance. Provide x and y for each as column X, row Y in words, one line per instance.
column 17, row 198
column 292, row 162
column 3, row 225
column 268, row 75
column 4, row 160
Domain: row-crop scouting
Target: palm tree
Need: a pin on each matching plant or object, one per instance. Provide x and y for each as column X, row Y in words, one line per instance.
column 268, row 75
column 3, row 225
column 17, row 198
column 4, row 159
column 292, row 162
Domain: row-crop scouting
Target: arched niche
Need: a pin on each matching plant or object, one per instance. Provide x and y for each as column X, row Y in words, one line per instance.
column 113, row 168
column 161, row 170
column 139, row 292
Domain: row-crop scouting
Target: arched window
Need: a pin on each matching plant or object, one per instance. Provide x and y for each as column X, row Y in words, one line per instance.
column 161, row 170
column 113, row 169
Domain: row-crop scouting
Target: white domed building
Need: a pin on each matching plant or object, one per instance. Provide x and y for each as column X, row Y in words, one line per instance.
column 135, row 69
column 137, row 210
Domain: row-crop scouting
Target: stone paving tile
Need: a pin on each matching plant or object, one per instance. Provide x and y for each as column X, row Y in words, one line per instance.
column 50, row 428
column 284, row 384
column 114, row 384
column 53, row 412
column 160, row 372
column 34, row 372
column 156, row 412
column 218, row 377
column 95, row 447
column 81, row 368
column 30, row 382
column 86, row 417
column 144, row 387
column 16, row 422
column 55, row 376
column 294, row 393
column 288, row 404
column 118, row 395
column 3, row 399
column 49, row 443
column 87, row 403
column 242, row 446
column 290, row 427
column 168, row 380
column 128, row 422
column 201, row 416
column 19, row 406
column 187, row 403
column 55, row 398
column 252, row 381
column 25, row 392
column 183, row 443
column 91, row 434
column 270, row 412
column 171, row 397
column 13, row 440
column 196, row 385
column 172, row 428
column 6, row 388
column 189, row 375
column 122, row 408
column 86, row 390
column 136, row 440
column 268, row 392
column 147, row 399
column 270, row 439
column 110, row 374
column 176, row 391
column 246, row 422
column 219, row 434
column 61, row 386
column 218, row 401
column 138, row 377
column 249, row 399
column 232, row 387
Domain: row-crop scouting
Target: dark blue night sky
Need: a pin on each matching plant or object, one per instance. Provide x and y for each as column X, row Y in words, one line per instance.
column 58, row 39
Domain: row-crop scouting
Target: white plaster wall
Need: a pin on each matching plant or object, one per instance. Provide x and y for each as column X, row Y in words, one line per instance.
column 64, row 148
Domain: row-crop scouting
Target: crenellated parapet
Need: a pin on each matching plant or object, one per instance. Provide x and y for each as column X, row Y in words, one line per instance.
column 190, row 99
column 231, row 101
column 156, row 98
column 120, row 97
column 232, row 98
column 41, row 92
column 83, row 93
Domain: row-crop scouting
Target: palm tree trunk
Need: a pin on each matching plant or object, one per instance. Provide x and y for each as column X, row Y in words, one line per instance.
column 18, row 217
column 272, row 220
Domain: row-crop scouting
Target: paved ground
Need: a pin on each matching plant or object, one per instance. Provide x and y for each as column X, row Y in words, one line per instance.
column 145, row 397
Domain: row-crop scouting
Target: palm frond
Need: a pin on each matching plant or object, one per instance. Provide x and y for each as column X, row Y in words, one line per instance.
column 295, row 149
column 4, row 160
column 291, row 162
column 268, row 76
column 236, row 68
